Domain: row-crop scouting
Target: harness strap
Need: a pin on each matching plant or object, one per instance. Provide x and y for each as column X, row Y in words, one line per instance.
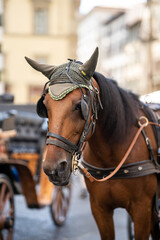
column 130, row 170
column 88, row 125
column 157, row 116
column 92, row 179
column 154, row 115
column 150, row 148
column 85, row 134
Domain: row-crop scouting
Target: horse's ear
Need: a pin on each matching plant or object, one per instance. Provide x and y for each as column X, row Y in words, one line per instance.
column 46, row 69
column 88, row 68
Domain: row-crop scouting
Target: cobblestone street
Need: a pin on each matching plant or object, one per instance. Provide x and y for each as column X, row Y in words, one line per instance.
column 37, row 224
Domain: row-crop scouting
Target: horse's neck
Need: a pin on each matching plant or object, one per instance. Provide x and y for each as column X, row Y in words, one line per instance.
column 100, row 153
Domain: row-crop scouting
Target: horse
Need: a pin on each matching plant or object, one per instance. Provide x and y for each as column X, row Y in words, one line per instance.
column 90, row 115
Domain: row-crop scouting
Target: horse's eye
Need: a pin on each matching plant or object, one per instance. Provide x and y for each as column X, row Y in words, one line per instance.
column 78, row 106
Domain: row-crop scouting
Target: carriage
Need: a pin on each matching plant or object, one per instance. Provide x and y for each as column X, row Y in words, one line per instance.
column 22, row 139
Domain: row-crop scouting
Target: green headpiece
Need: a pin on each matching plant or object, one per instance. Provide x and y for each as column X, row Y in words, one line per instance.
column 65, row 78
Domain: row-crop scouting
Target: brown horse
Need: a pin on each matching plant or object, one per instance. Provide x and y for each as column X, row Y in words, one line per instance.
column 90, row 112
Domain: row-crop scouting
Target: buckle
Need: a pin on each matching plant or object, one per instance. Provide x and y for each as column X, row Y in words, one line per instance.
column 143, row 121
column 75, row 161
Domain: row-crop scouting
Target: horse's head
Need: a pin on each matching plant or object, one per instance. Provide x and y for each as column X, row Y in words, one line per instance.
column 69, row 100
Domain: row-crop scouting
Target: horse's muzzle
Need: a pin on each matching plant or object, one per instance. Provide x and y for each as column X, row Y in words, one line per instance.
column 58, row 175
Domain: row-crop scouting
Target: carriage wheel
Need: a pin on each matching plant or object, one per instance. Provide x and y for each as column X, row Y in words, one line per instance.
column 60, row 203
column 130, row 226
column 6, row 208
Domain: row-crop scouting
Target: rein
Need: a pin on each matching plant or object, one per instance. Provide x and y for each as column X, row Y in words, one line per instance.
column 92, row 179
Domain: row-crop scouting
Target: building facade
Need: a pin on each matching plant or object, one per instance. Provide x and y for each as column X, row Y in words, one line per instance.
column 142, row 49
column 1, row 55
column 42, row 30
column 91, row 33
column 129, row 43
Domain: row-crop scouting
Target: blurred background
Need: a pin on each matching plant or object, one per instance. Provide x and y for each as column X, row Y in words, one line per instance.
column 50, row 31
column 127, row 33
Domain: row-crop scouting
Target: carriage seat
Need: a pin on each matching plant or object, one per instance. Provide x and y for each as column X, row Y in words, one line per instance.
column 155, row 107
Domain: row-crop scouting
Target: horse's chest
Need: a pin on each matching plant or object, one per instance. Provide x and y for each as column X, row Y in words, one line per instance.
column 110, row 193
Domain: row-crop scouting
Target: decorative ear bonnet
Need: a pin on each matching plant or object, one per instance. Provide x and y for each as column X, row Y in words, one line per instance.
column 65, row 78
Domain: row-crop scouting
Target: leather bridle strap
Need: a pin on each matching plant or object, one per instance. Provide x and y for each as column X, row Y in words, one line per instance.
column 61, row 142
column 87, row 128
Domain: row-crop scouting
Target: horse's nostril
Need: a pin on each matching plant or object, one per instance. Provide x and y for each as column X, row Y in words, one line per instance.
column 48, row 169
column 61, row 168
column 55, row 171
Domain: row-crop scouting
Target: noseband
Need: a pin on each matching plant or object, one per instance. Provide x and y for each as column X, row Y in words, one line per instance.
column 89, row 109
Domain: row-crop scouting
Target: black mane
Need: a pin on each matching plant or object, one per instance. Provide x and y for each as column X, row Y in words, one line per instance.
column 119, row 112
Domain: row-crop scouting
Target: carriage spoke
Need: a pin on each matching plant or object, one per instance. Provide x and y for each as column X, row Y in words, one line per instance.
column 60, row 204
column 6, row 208
column 7, row 197
column 2, row 194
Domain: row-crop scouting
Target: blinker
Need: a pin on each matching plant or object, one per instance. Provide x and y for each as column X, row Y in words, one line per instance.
column 85, row 106
column 41, row 109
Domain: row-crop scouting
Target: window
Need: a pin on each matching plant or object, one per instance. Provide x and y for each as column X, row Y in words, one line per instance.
column 41, row 21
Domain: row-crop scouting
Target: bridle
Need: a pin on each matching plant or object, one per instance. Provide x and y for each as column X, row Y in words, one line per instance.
column 65, row 143
column 90, row 103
